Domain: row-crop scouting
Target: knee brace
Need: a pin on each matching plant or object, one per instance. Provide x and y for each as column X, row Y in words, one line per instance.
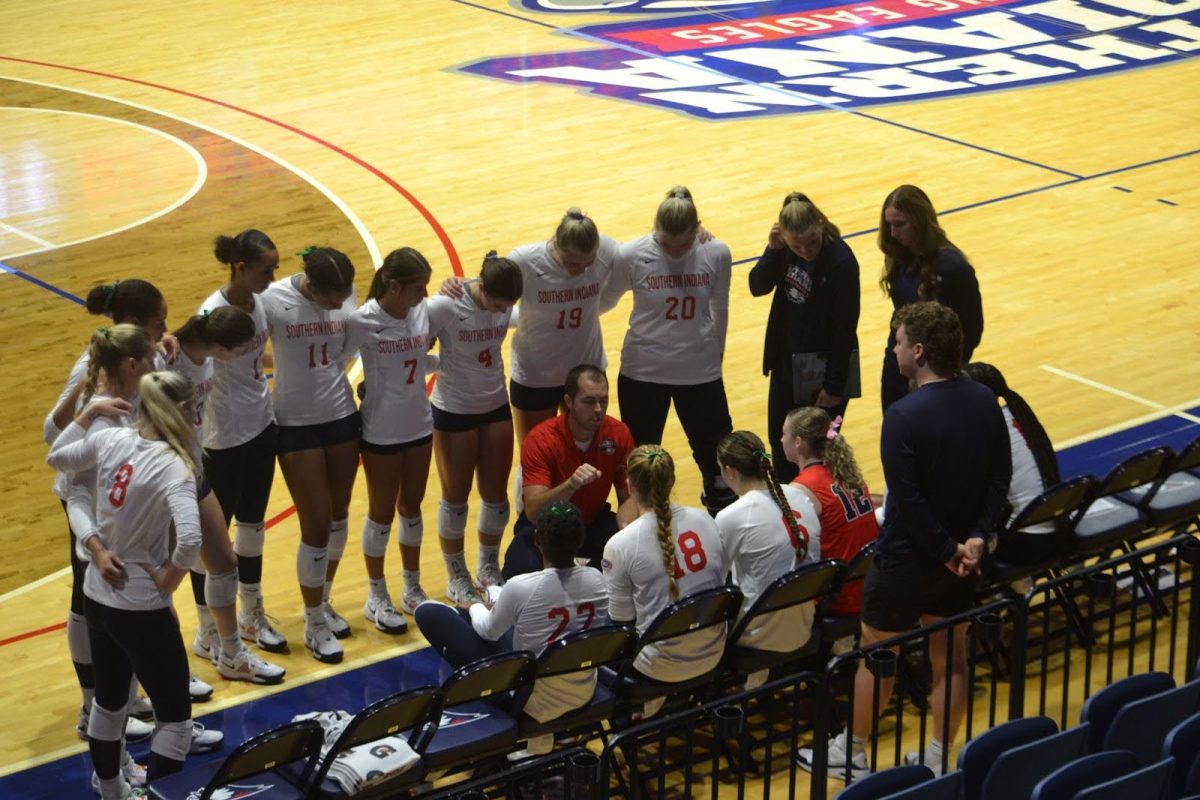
column 452, row 520
column 248, row 538
column 412, row 529
column 172, row 740
column 105, row 725
column 77, row 639
column 493, row 518
column 339, row 531
column 311, row 563
column 375, row 537
column 220, row 591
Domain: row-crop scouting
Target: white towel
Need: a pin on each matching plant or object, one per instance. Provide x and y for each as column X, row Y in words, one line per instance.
column 366, row 765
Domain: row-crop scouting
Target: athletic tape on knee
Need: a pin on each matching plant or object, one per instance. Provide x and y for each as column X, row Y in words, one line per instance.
column 172, row 739
column 339, row 531
column 412, row 529
column 452, row 520
column 493, row 518
column 77, row 639
column 248, row 538
column 311, row 563
column 375, row 537
column 105, row 725
column 220, row 591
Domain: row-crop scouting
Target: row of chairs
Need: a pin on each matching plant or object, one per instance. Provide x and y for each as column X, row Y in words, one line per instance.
column 1142, row 733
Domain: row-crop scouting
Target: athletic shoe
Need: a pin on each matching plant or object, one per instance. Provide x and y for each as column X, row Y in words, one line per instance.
column 321, row 642
column 489, row 575
column 935, row 764
column 380, row 611
column 207, row 643
column 336, row 622
column 836, row 760
column 200, row 691
column 137, row 730
column 143, row 709
column 413, row 597
column 255, row 626
column 133, row 773
column 204, row 740
column 461, row 591
column 245, row 666
column 126, row 792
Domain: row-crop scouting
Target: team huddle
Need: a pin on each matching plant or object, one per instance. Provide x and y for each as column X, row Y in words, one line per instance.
column 167, row 443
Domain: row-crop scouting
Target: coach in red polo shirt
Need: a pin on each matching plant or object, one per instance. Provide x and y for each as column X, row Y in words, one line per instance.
column 577, row 456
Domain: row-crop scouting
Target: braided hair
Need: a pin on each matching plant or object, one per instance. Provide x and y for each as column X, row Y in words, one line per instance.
column 651, row 472
column 745, row 452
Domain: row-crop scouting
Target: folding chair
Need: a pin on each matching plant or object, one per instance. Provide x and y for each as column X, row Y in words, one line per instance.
column 1182, row 743
column 1018, row 770
column 889, row 781
column 1067, row 781
column 1100, row 710
column 1108, row 521
column 259, row 759
column 1020, row 553
column 977, row 756
column 832, row 627
column 1172, row 501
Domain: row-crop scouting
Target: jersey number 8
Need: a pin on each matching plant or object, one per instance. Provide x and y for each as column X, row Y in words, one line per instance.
column 120, row 487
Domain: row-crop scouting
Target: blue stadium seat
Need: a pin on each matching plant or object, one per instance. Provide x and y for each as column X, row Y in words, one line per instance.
column 1101, row 709
column 1140, row 726
column 1018, row 770
column 1067, row 781
column 978, row 755
column 1183, row 744
column 1147, row 783
column 947, row 787
column 259, row 761
column 887, row 782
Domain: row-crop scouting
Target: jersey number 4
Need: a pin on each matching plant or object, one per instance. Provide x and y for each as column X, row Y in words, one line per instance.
column 692, row 550
column 120, row 487
column 563, row 616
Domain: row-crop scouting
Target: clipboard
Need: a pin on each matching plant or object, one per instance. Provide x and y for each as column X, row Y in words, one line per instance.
column 808, row 376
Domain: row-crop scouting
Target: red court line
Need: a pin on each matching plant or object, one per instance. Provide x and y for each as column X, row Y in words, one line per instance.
column 455, row 263
column 30, row 634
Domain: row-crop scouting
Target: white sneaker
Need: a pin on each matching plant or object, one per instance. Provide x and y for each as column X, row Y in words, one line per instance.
column 245, row 666
column 81, row 725
column 461, row 591
column 336, row 622
column 321, row 642
column 133, row 773
column 137, row 730
column 836, row 760
column 204, row 740
column 489, row 575
column 207, row 643
column 255, row 626
column 142, row 708
column 199, row 690
column 124, row 791
column 934, row 763
column 413, row 596
column 380, row 611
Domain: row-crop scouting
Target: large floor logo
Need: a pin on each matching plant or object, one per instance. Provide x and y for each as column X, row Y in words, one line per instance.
column 763, row 58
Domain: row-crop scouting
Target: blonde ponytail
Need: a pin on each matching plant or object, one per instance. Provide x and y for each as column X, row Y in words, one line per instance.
column 651, row 472
column 109, row 347
column 163, row 398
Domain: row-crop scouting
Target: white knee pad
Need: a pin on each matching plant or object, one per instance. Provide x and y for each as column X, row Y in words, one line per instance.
column 172, row 739
column 452, row 520
column 412, row 529
column 339, row 531
column 493, row 518
column 248, row 538
column 105, row 725
column 375, row 537
column 77, row 639
column 311, row 563
column 220, row 591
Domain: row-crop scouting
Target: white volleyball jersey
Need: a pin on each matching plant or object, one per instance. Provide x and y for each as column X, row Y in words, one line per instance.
column 50, row 431
column 239, row 405
column 558, row 327
column 540, row 608
column 638, row 588
column 471, row 368
column 201, row 377
column 307, row 343
column 757, row 545
column 142, row 487
column 1026, row 482
column 395, row 407
column 80, row 494
column 680, row 311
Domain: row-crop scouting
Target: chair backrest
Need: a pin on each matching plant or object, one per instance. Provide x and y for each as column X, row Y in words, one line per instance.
column 1066, row 781
column 275, row 748
column 1101, row 709
column 1188, row 458
column 801, row 585
column 1141, row 726
column 1136, row 470
column 585, row 650
column 885, row 782
column 947, row 787
column 1056, row 504
column 1183, row 744
column 1018, row 770
column 1148, row 783
column 490, row 676
column 978, row 755
column 855, row 570
column 1060, row 505
column 692, row 613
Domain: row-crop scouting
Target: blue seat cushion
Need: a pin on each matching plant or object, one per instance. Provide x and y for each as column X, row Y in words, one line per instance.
column 265, row 786
column 469, row 731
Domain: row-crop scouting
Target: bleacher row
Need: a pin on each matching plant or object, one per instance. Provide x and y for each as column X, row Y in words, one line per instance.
column 1151, row 493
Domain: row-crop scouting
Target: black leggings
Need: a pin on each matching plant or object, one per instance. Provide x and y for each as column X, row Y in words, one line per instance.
column 242, row 476
column 780, row 400
column 702, row 408
column 78, row 568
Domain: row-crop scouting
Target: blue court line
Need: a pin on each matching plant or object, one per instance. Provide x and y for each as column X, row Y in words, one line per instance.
column 503, row 13
column 39, row 282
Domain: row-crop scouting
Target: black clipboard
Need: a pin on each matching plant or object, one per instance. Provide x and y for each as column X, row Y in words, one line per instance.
column 808, row 376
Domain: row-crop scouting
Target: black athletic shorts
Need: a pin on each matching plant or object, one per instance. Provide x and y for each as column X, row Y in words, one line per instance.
column 527, row 398
column 393, row 449
column 899, row 589
column 314, row 437
column 449, row 422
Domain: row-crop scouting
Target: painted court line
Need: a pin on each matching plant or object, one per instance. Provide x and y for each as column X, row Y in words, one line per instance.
column 1104, row 387
column 25, row 235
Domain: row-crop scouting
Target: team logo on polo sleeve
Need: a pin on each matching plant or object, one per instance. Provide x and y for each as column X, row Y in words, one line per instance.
column 607, row 447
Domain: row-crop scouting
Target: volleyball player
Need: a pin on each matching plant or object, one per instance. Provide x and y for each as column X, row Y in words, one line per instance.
column 766, row 533
column 146, row 483
column 239, row 427
column 391, row 331
column 669, row 552
column 319, row 427
column 676, row 337
column 208, row 338
column 472, row 421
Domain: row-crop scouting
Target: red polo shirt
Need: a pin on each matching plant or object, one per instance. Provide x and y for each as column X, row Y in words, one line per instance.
column 549, row 456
